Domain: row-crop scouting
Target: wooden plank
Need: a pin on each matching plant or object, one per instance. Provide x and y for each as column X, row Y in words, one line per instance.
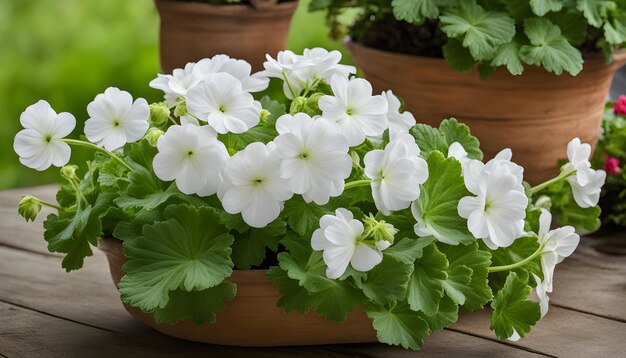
column 591, row 282
column 561, row 332
column 88, row 296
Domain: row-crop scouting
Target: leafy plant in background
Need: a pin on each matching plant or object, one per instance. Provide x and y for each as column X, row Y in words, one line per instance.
column 611, row 154
column 337, row 192
column 553, row 34
column 66, row 51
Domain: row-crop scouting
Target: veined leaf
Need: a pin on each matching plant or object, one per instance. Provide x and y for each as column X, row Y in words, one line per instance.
column 595, row 10
column 549, row 48
column 415, row 11
column 512, row 310
column 508, row 55
column 542, row 7
column 200, row 306
column 425, row 288
column 190, row 250
column 398, row 325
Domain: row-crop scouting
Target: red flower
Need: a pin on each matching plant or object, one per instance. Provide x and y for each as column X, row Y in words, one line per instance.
column 619, row 107
column 611, row 164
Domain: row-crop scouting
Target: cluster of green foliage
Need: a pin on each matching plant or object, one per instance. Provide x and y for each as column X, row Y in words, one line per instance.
column 511, row 33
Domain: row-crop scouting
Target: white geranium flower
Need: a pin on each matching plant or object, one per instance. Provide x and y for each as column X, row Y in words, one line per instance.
column 253, row 185
column 586, row 183
column 456, row 150
column 396, row 174
column 193, row 157
column 40, row 144
column 496, row 214
column 182, row 79
column 358, row 113
column 114, row 119
column 302, row 71
column 557, row 245
column 578, row 155
column 338, row 236
column 588, row 195
column 177, row 84
column 398, row 122
column 544, row 302
column 240, row 69
column 220, row 100
column 315, row 157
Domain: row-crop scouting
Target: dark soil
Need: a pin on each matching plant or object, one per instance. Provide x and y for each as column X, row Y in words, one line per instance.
column 385, row 33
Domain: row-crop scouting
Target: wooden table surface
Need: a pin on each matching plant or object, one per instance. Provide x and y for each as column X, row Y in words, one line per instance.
column 46, row 312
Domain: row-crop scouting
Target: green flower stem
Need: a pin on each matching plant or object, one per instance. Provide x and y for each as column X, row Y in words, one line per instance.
column 172, row 120
column 81, row 143
column 309, row 88
column 293, row 93
column 356, row 183
column 561, row 176
column 519, row 263
column 49, row 204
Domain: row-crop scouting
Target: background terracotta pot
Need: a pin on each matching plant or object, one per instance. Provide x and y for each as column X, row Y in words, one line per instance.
column 252, row 318
column 535, row 114
column 192, row 31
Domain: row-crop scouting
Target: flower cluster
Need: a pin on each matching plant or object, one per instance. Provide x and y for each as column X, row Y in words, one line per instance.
column 352, row 197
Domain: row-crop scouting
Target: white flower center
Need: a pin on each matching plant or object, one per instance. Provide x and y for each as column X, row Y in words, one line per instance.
column 116, row 122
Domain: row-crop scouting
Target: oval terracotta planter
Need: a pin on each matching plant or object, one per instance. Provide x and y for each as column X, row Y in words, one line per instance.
column 535, row 114
column 251, row 319
column 192, row 31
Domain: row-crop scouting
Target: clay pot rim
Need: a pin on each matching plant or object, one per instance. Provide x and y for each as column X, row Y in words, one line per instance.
column 113, row 247
column 619, row 58
column 234, row 10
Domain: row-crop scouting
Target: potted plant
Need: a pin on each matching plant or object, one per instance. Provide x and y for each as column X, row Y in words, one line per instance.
column 246, row 29
column 529, row 75
column 227, row 220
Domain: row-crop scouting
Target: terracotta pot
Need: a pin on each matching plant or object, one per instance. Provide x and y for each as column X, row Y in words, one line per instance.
column 192, row 31
column 251, row 319
column 535, row 114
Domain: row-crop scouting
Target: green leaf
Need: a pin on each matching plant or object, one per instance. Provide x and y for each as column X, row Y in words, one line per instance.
column 439, row 198
column 448, row 314
column 303, row 217
column 549, row 48
column 508, row 55
column 450, row 131
column 512, row 310
column 415, row 11
column 565, row 211
column 190, row 250
column 332, row 299
column 387, row 282
column 459, row 57
column 293, row 297
column 595, row 11
column 476, row 293
column 200, row 306
column 249, row 250
column 408, row 250
column 481, row 31
column 72, row 235
column 573, row 26
column 425, row 288
column 398, row 325
column 615, row 29
column 131, row 229
column 542, row 7
column 453, row 131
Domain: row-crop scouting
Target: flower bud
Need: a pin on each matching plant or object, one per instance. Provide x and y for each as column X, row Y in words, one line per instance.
column 153, row 136
column 544, row 202
column 298, row 105
column 612, row 165
column 381, row 231
column 69, row 172
column 159, row 113
column 265, row 114
column 181, row 109
column 619, row 107
column 29, row 207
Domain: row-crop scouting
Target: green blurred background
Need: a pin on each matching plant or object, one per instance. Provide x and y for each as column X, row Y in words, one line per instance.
column 68, row 51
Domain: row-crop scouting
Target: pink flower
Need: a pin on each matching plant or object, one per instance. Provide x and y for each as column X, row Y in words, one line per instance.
column 619, row 107
column 611, row 164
